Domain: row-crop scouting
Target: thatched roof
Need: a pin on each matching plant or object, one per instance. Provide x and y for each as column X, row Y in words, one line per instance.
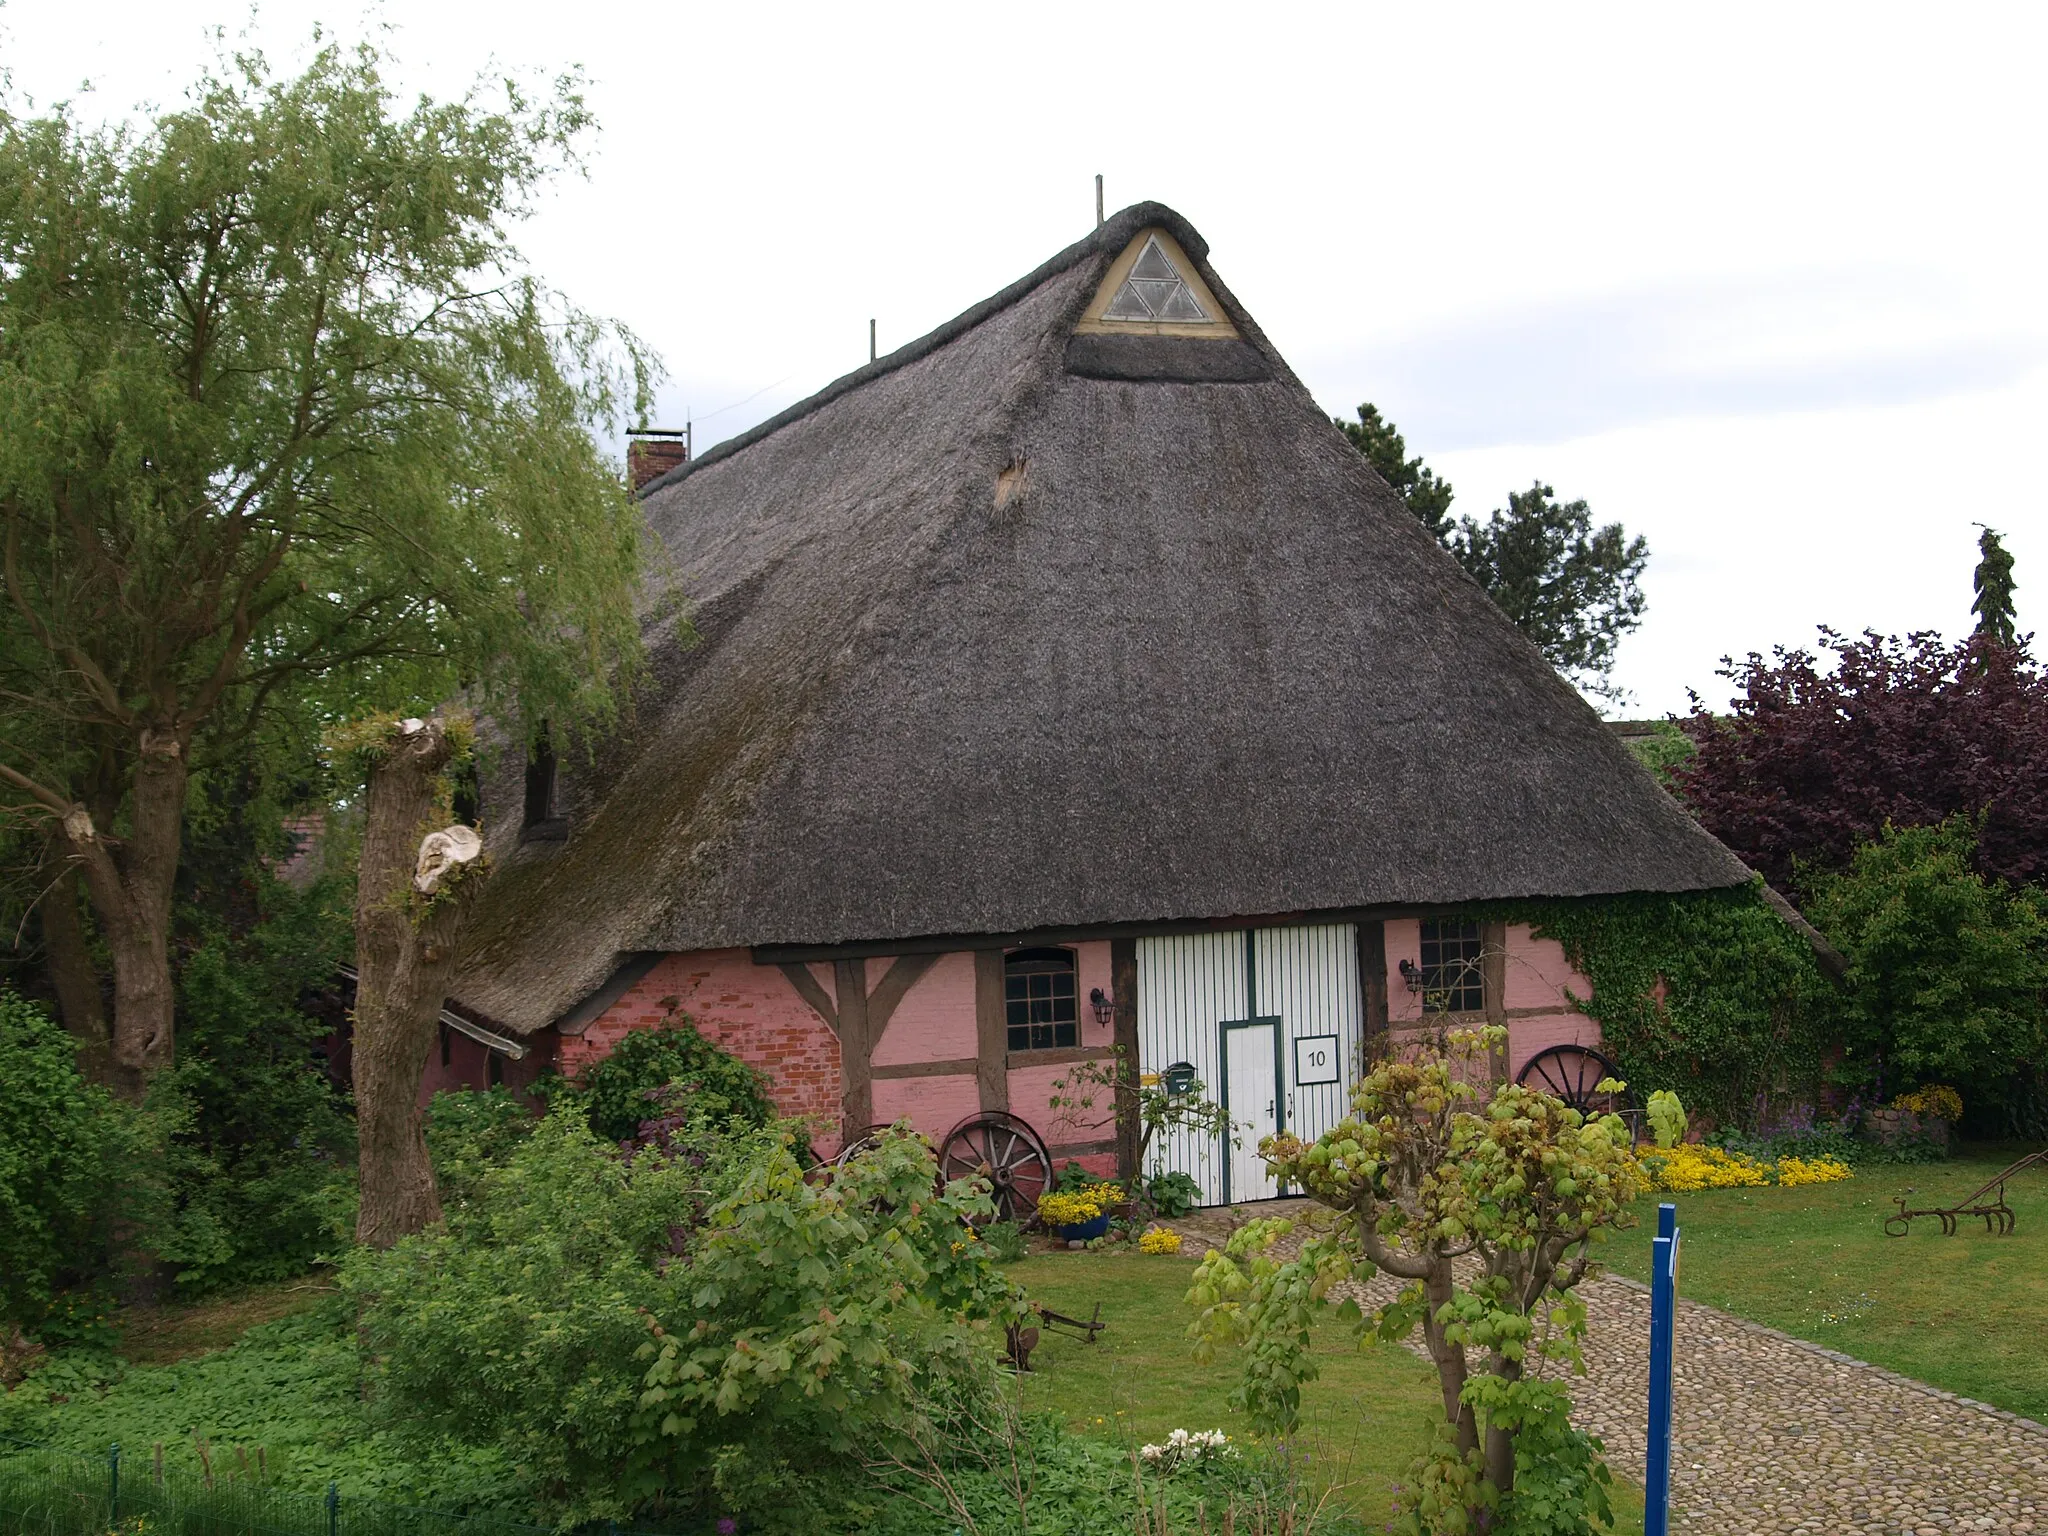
column 1014, row 630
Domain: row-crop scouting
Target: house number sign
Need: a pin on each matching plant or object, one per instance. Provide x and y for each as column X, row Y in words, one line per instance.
column 1315, row 1060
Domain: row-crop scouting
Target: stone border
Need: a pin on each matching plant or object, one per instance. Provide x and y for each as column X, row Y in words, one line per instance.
column 1990, row 1409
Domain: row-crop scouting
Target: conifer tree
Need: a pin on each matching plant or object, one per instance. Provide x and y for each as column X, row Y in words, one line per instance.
column 1994, row 584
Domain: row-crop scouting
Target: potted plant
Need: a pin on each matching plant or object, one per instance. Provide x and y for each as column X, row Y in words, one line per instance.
column 1079, row 1214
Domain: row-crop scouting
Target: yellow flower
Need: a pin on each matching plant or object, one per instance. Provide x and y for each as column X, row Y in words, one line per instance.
column 1937, row 1101
column 1159, row 1240
column 1812, row 1170
column 1077, row 1207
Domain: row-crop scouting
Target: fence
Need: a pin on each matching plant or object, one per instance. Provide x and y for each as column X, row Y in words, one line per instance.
column 49, row 1492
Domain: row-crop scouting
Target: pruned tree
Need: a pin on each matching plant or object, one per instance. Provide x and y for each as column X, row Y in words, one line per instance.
column 1574, row 589
column 1486, row 1199
column 283, row 418
column 415, row 881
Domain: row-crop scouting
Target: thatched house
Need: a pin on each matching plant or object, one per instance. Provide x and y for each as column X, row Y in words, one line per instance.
column 1063, row 680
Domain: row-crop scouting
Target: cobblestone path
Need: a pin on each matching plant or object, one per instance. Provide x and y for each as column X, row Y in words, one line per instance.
column 1774, row 1436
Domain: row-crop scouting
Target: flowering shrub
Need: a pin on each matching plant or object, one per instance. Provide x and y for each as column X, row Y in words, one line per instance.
column 1937, row 1101
column 1188, row 1449
column 1159, row 1240
column 1077, row 1207
column 1812, row 1170
column 1682, row 1169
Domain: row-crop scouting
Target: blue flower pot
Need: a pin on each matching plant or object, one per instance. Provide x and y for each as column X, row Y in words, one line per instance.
column 1081, row 1232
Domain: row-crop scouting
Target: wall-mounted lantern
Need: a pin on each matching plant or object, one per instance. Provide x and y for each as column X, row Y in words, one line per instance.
column 1104, row 1006
column 1412, row 974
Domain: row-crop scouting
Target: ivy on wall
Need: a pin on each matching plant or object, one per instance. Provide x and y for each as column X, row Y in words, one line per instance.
column 1744, row 1019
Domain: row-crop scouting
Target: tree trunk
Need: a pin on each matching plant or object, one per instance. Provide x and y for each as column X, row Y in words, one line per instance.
column 131, row 881
column 68, row 958
column 405, row 951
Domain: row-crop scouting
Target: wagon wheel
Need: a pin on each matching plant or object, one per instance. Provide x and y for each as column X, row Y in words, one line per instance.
column 1574, row 1073
column 866, row 1141
column 1008, row 1153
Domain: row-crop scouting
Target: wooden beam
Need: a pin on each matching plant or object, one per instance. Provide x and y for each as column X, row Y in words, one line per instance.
column 991, row 1031
column 1062, row 1056
column 890, row 990
column 856, row 1048
column 808, row 989
column 1081, row 1148
column 1123, row 988
column 965, row 1066
column 1493, row 980
column 1372, row 987
column 942, row 943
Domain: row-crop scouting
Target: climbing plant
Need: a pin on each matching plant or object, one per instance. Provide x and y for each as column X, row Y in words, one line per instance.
column 1706, row 993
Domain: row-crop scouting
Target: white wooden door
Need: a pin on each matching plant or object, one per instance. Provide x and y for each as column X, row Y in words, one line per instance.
column 1309, row 977
column 1251, row 1094
column 1188, row 984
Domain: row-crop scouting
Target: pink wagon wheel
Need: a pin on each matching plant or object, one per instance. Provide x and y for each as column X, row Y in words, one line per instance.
column 1004, row 1150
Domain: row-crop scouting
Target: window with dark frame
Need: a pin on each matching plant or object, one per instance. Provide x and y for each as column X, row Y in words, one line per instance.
column 1452, row 981
column 1039, row 999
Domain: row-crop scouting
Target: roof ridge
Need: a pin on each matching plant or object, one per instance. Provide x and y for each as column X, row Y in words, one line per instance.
column 1115, row 232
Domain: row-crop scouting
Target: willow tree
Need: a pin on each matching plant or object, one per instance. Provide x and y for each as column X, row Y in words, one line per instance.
column 284, row 420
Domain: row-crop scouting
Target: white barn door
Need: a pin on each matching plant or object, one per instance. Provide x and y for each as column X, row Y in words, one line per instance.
column 1272, row 1025
column 1309, row 977
column 1188, row 984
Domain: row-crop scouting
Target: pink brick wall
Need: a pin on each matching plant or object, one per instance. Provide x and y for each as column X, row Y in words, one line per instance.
column 750, row 1010
column 753, row 1011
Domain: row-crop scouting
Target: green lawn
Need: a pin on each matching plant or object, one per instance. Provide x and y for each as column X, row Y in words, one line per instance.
column 1363, row 1420
column 1362, row 1423
column 1962, row 1312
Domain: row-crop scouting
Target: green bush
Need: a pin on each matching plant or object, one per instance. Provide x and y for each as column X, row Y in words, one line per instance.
column 74, row 1162
column 1948, row 971
column 1173, row 1194
column 261, row 1152
column 626, row 1326
column 471, row 1131
column 615, row 1092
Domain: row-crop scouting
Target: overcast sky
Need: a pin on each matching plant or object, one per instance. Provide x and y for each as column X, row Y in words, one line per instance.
column 1764, row 283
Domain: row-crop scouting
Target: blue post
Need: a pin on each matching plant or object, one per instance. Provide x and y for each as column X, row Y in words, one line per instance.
column 114, row 1483
column 1663, row 1317
column 333, row 1510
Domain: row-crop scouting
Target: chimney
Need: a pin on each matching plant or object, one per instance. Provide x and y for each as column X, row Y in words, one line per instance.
column 652, row 452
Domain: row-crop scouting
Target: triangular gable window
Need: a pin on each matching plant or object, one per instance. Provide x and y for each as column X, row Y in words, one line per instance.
column 1155, row 291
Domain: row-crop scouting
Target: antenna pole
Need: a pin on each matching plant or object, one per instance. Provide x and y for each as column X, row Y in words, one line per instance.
column 1098, row 199
column 871, row 339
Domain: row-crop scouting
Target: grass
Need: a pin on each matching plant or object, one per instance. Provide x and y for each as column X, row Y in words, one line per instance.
column 1959, row 1312
column 1363, row 1422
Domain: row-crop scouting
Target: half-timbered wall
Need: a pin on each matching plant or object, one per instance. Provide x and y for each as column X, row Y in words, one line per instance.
column 937, row 1050
column 1528, row 993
